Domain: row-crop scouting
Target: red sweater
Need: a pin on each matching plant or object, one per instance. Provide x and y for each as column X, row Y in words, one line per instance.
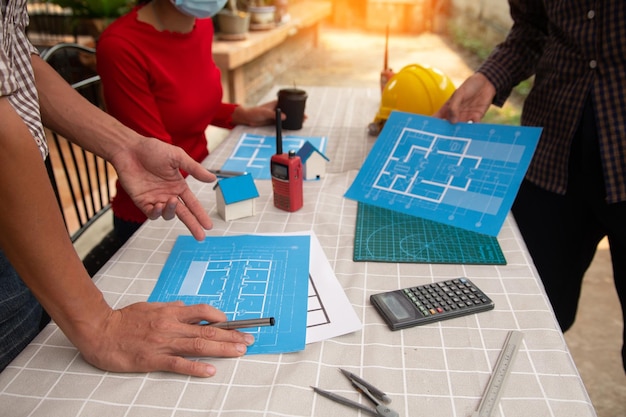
column 163, row 85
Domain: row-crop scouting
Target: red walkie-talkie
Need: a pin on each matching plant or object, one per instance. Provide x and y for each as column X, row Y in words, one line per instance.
column 286, row 170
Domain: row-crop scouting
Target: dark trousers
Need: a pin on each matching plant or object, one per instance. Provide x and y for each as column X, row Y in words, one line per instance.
column 563, row 231
column 21, row 316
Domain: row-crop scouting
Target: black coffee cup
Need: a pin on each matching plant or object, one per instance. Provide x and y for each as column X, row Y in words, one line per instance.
column 291, row 101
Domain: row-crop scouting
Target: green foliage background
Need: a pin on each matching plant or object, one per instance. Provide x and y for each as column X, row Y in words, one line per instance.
column 96, row 8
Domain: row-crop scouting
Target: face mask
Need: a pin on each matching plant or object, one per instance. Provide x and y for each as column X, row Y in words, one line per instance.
column 199, row 8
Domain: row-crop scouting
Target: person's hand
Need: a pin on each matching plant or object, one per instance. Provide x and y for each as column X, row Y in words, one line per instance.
column 470, row 101
column 149, row 170
column 262, row 115
column 146, row 337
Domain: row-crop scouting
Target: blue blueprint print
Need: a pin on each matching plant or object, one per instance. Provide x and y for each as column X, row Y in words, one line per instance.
column 464, row 175
column 253, row 152
column 246, row 277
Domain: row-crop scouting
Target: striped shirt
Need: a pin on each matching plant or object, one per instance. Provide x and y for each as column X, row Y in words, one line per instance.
column 576, row 49
column 17, row 81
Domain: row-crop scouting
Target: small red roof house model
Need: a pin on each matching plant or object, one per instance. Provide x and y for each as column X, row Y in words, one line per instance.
column 313, row 161
column 235, row 197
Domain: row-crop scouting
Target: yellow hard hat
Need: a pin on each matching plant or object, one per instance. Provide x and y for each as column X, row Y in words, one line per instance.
column 416, row 89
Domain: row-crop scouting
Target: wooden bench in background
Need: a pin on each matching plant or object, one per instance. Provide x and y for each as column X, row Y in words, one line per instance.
column 234, row 57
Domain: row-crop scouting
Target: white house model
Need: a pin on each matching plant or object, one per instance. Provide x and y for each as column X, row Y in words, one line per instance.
column 313, row 161
column 235, row 197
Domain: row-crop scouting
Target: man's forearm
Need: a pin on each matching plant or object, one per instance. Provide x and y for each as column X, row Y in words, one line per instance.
column 34, row 238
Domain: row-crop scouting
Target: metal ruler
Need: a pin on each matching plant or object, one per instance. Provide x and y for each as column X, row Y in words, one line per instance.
column 492, row 394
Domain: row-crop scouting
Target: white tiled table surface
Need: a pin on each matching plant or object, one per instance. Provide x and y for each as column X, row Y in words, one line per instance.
column 438, row 370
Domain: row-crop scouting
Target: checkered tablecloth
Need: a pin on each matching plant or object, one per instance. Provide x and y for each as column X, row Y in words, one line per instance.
column 437, row 370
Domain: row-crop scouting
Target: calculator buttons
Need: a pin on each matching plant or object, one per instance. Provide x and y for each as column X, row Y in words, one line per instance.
column 438, row 298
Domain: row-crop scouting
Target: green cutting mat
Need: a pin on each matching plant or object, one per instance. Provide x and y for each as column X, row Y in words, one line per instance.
column 388, row 236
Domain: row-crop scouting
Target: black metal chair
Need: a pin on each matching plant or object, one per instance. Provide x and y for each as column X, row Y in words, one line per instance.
column 83, row 182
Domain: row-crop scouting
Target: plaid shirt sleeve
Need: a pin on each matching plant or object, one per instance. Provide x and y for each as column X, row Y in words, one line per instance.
column 17, row 81
column 576, row 50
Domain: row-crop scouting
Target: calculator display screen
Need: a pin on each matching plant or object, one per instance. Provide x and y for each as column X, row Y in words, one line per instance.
column 395, row 308
column 393, row 303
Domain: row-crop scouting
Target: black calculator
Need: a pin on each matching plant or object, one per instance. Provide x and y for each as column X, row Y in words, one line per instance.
column 428, row 303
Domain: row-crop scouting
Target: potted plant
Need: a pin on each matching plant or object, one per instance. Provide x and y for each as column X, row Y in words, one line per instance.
column 262, row 14
column 96, row 8
column 232, row 22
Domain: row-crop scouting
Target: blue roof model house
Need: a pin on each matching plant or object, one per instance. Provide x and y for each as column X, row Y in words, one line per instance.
column 235, row 197
column 313, row 161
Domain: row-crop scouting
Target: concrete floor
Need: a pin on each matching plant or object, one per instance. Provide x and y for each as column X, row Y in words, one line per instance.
column 353, row 58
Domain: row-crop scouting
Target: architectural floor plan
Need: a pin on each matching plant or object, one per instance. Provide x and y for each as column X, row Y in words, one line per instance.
column 246, row 277
column 464, row 175
column 253, row 152
column 284, row 276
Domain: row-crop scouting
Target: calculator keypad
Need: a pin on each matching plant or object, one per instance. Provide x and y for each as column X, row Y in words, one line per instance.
column 445, row 296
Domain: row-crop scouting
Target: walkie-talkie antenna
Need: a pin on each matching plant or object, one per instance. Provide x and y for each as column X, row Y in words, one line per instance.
column 279, row 132
column 386, row 63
